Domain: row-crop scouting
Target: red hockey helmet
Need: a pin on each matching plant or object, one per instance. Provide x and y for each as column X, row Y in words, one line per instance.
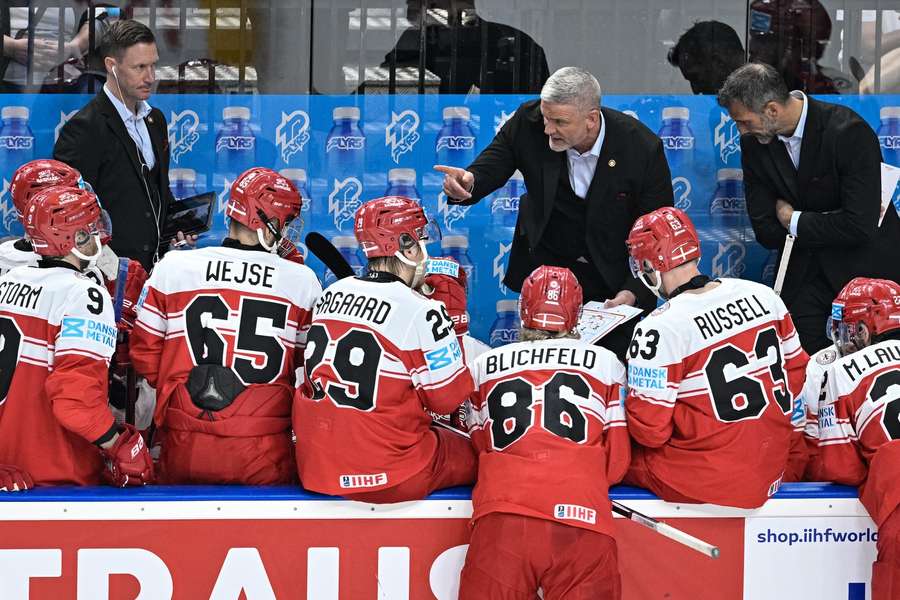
column 660, row 241
column 59, row 218
column 447, row 281
column 551, row 299
column 874, row 303
column 388, row 225
column 262, row 199
column 36, row 175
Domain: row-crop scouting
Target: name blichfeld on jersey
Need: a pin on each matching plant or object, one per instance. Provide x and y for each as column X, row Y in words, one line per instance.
column 730, row 315
column 359, row 306
column 540, row 355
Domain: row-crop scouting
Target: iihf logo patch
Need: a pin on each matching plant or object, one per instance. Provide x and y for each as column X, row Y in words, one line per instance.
column 292, row 133
column 575, row 513
column 402, row 133
column 183, row 133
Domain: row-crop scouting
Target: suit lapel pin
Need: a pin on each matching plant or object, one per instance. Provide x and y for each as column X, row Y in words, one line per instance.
column 150, row 119
column 612, row 162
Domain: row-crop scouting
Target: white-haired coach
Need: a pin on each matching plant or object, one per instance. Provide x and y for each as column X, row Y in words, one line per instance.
column 590, row 173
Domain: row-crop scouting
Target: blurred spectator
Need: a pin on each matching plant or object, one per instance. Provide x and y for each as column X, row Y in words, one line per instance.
column 706, row 54
column 61, row 36
column 888, row 48
column 466, row 52
column 791, row 35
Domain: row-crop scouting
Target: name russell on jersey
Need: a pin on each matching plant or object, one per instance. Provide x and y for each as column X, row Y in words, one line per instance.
column 251, row 273
column 731, row 315
column 359, row 306
column 540, row 357
column 13, row 293
column 858, row 365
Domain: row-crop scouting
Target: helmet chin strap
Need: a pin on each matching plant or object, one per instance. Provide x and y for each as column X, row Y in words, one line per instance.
column 261, row 236
column 92, row 259
column 656, row 289
column 419, row 275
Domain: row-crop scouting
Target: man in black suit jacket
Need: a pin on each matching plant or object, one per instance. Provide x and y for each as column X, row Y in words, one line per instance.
column 812, row 169
column 120, row 144
column 590, row 173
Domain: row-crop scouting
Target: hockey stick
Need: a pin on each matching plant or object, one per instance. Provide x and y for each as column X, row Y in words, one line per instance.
column 783, row 265
column 330, row 256
column 666, row 530
column 659, row 527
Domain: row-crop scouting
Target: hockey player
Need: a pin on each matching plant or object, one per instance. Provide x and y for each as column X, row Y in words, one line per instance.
column 548, row 423
column 859, row 428
column 29, row 179
column 379, row 355
column 712, row 375
column 219, row 334
column 58, row 335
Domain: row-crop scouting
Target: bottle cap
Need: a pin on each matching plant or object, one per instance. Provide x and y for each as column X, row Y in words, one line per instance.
column 185, row 175
column 726, row 174
column 454, row 241
column 344, row 241
column 402, row 175
column 507, row 306
column 517, row 176
column 14, row 112
column 236, row 112
column 457, row 112
column 294, row 174
column 676, row 112
column 346, row 112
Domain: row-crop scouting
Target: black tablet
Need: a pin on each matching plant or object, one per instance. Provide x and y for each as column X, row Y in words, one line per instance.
column 190, row 216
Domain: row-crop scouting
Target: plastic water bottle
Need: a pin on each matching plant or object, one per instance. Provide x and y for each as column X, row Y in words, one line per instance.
column 455, row 144
column 888, row 134
column 505, row 329
column 235, row 143
column 677, row 138
column 298, row 178
column 402, row 182
column 457, row 247
column 183, row 183
column 345, row 147
column 728, row 209
column 16, row 140
column 348, row 247
column 505, row 205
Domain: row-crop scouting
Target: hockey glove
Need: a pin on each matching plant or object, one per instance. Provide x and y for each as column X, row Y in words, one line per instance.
column 128, row 461
column 14, row 479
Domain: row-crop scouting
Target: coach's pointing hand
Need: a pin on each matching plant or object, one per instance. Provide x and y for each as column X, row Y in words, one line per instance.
column 458, row 183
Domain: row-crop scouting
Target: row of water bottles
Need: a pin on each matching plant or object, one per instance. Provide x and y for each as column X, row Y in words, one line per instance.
column 16, row 148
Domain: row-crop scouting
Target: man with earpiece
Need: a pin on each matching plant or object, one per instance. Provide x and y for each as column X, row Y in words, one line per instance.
column 120, row 145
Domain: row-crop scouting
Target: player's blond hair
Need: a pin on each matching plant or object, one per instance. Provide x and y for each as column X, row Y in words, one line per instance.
column 526, row 334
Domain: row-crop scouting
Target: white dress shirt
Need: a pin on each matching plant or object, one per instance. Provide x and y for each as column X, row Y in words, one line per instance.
column 582, row 166
column 793, row 143
column 135, row 125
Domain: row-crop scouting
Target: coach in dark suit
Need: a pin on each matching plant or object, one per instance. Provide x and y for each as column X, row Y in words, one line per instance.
column 120, row 144
column 590, row 172
column 812, row 169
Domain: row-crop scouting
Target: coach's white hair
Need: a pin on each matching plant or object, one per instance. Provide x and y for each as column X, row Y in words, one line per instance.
column 572, row 85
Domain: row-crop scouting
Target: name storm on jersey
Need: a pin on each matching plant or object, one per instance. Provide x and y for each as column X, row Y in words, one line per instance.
column 363, row 481
column 19, row 294
column 573, row 512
